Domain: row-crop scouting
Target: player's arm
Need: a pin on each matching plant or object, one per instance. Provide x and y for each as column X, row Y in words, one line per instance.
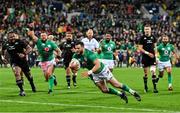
column 99, row 50
column 3, row 52
column 28, row 49
column 140, row 47
column 96, row 46
column 32, row 35
column 94, row 69
column 58, row 53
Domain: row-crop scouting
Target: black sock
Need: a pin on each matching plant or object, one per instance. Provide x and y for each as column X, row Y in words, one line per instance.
column 74, row 78
column 20, row 84
column 68, row 79
column 32, row 83
column 154, row 81
column 30, row 79
column 145, row 81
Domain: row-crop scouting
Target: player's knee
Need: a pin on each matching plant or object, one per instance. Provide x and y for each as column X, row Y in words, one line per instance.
column 48, row 73
column 104, row 90
column 169, row 70
column 153, row 69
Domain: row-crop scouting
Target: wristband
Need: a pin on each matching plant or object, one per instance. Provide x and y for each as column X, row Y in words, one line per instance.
column 90, row 72
column 146, row 52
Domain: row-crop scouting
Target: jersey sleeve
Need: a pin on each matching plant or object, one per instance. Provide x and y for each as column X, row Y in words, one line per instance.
column 96, row 44
column 54, row 45
column 172, row 48
column 114, row 47
column 75, row 56
column 92, row 57
column 159, row 47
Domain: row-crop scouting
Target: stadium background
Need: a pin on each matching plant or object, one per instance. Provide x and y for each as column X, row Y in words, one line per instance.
column 124, row 18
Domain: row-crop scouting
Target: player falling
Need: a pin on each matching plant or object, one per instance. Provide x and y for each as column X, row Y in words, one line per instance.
column 101, row 75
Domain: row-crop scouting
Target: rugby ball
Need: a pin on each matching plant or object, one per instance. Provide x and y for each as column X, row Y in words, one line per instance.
column 75, row 64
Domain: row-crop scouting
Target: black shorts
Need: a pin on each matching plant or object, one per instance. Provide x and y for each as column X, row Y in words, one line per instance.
column 148, row 61
column 23, row 65
column 66, row 63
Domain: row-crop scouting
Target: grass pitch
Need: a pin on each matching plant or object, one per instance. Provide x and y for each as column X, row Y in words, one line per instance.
column 86, row 97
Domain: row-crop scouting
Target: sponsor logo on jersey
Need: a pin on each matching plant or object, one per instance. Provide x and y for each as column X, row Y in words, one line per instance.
column 46, row 49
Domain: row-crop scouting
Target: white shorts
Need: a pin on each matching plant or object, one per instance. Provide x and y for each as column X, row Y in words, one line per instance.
column 162, row 65
column 109, row 63
column 105, row 74
column 44, row 65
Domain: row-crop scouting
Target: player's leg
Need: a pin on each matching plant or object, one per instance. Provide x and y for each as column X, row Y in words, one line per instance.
column 43, row 66
column 17, row 70
column 161, row 70
column 154, row 79
column 49, row 75
column 74, row 79
column 55, row 81
column 26, row 70
column 68, row 73
column 68, row 77
column 103, row 87
column 114, row 82
column 169, row 69
column 145, row 78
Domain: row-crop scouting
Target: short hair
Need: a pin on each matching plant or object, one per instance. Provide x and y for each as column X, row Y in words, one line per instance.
column 147, row 25
column 79, row 43
column 164, row 35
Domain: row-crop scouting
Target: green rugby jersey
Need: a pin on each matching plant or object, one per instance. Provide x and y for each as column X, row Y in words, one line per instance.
column 46, row 49
column 87, row 60
column 108, row 48
column 165, row 51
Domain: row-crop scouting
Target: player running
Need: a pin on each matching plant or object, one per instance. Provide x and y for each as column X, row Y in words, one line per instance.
column 67, row 52
column 17, row 50
column 108, row 51
column 46, row 50
column 100, row 73
column 165, row 50
column 146, row 46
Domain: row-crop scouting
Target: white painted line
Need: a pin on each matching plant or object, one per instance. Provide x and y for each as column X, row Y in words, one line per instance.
column 86, row 106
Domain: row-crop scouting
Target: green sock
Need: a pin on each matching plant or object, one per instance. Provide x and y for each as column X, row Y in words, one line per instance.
column 114, row 91
column 51, row 82
column 126, row 88
column 169, row 78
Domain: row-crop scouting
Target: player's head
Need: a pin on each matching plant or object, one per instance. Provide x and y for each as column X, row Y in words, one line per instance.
column 11, row 36
column 89, row 33
column 50, row 37
column 69, row 36
column 147, row 30
column 165, row 39
column 79, row 47
column 108, row 37
column 44, row 36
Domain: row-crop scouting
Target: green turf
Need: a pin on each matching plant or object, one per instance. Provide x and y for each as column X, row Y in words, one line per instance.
column 86, row 97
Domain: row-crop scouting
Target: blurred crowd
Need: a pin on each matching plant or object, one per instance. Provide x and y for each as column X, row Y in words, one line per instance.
column 123, row 18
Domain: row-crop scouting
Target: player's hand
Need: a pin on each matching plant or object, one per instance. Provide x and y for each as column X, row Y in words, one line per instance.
column 151, row 55
column 84, row 74
column 21, row 55
column 57, row 60
column 3, row 60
